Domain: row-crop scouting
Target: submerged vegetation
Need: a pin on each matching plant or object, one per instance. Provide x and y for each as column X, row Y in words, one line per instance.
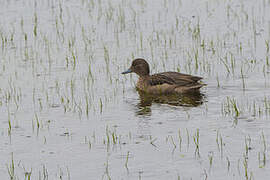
column 68, row 113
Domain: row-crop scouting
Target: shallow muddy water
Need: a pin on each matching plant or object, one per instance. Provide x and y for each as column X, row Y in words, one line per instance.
column 67, row 112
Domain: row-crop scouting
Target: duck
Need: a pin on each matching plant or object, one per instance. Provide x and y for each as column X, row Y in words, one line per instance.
column 165, row 82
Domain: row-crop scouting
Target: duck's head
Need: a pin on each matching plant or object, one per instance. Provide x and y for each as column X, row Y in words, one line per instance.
column 140, row 67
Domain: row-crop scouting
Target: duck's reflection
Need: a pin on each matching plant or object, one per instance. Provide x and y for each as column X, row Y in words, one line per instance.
column 193, row 99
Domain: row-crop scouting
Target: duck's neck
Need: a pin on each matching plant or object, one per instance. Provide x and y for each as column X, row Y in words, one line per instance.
column 144, row 76
column 142, row 82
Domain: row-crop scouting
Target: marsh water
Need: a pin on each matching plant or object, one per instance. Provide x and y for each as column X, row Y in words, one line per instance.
column 67, row 112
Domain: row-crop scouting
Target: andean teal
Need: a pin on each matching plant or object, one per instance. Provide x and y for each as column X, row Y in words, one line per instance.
column 163, row 83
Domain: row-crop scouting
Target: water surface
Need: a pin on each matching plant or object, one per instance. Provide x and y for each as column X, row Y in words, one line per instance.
column 68, row 113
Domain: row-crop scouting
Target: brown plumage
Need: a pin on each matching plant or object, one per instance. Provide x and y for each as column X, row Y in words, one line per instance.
column 163, row 83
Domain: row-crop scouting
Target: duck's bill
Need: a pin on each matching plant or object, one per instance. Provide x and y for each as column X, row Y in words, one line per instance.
column 126, row 72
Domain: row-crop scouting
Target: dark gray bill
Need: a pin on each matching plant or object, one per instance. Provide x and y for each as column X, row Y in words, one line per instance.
column 126, row 72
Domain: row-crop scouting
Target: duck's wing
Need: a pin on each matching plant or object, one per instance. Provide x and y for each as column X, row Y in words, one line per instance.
column 174, row 78
column 180, row 77
column 159, row 79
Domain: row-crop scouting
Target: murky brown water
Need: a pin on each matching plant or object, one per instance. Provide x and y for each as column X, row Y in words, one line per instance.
column 68, row 113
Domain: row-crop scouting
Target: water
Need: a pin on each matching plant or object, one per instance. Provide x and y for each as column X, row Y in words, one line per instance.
column 67, row 112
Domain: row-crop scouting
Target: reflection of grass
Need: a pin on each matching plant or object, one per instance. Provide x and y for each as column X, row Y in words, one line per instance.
column 11, row 169
column 230, row 107
column 253, row 108
column 196, row 138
